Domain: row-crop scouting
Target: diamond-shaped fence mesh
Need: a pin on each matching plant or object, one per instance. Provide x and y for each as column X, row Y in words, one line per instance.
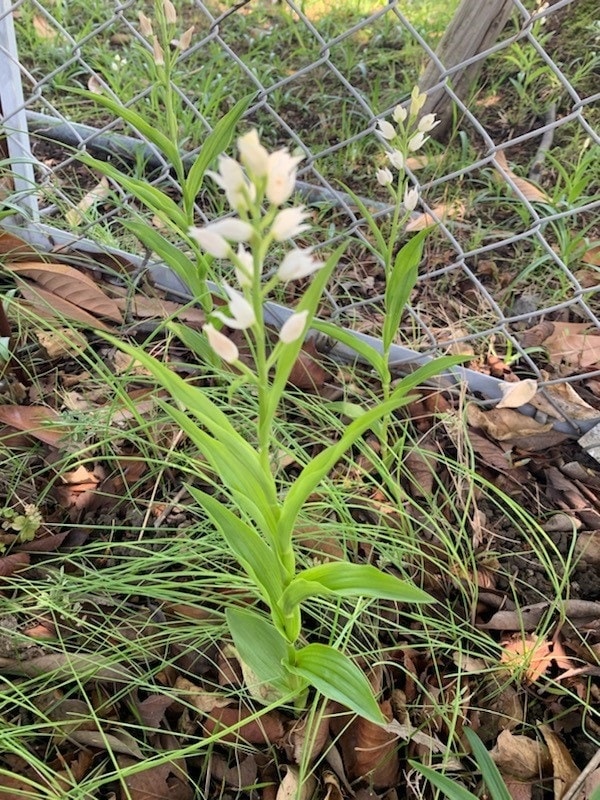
column 513, row 245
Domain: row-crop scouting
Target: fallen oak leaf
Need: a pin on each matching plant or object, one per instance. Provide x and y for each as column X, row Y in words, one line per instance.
column 51, row 306
column 565, row 771
column 529, row 190
column 40, row 422
column 69, row 284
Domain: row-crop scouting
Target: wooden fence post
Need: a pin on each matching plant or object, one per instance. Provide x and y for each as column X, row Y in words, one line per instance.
column 475, row 26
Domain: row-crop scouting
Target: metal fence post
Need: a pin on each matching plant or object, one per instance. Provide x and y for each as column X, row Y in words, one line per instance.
column 13, row 122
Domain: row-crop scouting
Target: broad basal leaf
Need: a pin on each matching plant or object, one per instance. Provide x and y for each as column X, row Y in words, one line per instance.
column 263, row 649
column 337, row 678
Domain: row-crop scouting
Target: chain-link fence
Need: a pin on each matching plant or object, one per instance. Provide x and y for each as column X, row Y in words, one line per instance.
column 513, row 245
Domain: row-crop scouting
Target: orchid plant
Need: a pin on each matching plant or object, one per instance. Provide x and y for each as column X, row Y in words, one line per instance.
column 404, row 135
column 255, row 521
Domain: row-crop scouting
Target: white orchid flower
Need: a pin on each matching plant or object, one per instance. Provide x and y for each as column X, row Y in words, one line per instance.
column 297, row 264
column 293, row 327
column 221, row 344
column 242, row 313
column 289, row 223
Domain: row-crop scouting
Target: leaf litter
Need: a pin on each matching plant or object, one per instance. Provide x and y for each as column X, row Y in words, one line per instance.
column 194, row 692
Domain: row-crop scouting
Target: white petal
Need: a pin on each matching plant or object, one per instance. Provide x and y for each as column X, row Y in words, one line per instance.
column 384, row 176
column 281, row 176
column 416, row 141
column 214, row 244
column 288, row 223
column 252, row 154
column 293, row 327
column 233, row 229
column 396, row 159
column 242, row 313
column 386, row 129
column 297, row 264
column 222, row 346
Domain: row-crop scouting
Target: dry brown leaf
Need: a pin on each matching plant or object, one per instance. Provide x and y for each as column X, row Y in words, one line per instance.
column 375, row 751
column 565, row 771
column 517, row 394
column 439, row 213
column 43, row 28
column 592, row 256
column 575, row 344
column 332, row 786
column 564, row 399
column 242, row 774
column 307, row 730
column 14, row 247
column 268, row 729
column 13, row 562
column 70, row 284
column 290, row 787
column 520, row 757
column 61, row 342
column 587, row 547
column 528, row 655
column 203, row 701
column 38, row 421
column 504, row 424
column 308, row 372
column 95, row 86
column 50, row 306
column 529, row 190
column 153, row 307
column 77, row 215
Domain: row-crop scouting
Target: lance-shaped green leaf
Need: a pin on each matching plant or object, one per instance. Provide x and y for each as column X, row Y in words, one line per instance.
column 158, row 202
column 237, row 468
column 350, row 580
column 337, row 678
column 148, row 131
column 449, row 788
column 264, row 650
column 215, row 143
column 350, row 340
column 234, row 456
column 182, row 266
column 253, row 553
column 319, row 466
column 400, row 284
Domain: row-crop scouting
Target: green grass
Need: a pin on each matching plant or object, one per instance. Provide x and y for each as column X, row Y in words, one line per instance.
column 113, row 598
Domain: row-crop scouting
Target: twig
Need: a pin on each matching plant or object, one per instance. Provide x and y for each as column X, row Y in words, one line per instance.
column 573, row 791
column 545, row 144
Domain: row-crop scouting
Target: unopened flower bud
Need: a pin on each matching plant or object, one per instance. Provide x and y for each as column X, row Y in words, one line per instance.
column 170, row 13
column 297, row 264
column 185, row 39
column 221, row 344
column 427, row 123
column 411, row 198
column 252, row 154
column 386, row 129
column 293, row 328
column 399, row 114
column 159, row 56
column 384, row 176
column 396, row 159
column 244, row 266
column 417, row 101
column 145, row 25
